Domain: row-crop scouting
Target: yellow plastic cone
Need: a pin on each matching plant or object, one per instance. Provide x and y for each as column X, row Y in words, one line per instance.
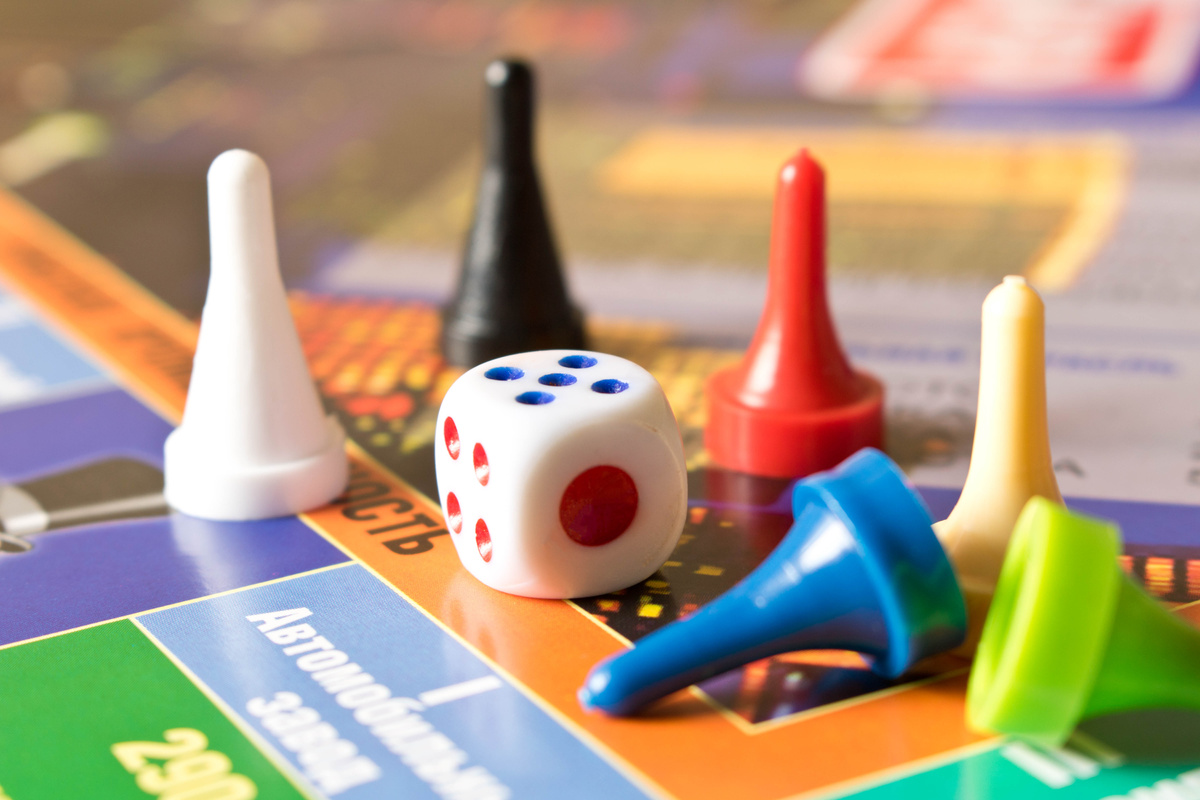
column 1010, row 458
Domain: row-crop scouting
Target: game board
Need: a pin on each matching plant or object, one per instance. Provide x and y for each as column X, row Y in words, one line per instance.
column 146, row 629
column 126, row 623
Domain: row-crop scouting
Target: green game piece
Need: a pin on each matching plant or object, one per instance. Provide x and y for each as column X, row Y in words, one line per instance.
column 1070, row 637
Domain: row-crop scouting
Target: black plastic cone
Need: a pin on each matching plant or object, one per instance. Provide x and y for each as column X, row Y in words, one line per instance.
column 511, row 294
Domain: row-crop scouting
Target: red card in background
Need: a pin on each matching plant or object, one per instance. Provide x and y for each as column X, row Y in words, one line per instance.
column 1106, row 50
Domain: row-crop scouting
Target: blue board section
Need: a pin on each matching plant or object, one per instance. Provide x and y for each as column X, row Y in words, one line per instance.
column 502, row 735
column 40, row 439
column 82, row 575
column 36, row 364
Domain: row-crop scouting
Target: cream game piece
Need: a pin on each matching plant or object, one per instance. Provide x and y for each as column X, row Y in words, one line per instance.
column 1010, row 458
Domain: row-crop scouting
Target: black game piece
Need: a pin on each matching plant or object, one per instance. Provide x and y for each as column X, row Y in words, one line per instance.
column 511, row 294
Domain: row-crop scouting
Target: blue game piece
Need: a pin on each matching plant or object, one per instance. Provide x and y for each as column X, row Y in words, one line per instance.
column 860, row 569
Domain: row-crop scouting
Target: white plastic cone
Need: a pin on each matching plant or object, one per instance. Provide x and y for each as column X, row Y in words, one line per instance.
column 254, row 441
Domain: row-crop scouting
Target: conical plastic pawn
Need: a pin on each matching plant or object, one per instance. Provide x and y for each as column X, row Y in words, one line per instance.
column 1010, row 456
column 793, row 405
column 1069, row 636
column 254, row 441
column 512, row 295
column 859, row 570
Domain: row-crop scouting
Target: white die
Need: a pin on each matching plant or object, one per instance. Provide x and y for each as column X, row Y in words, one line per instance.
column 561, row 473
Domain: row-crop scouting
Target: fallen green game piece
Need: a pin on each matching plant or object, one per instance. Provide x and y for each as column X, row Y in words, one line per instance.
column 1070, row 637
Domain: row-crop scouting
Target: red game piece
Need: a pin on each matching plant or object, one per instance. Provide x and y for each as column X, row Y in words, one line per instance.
column 794, row 405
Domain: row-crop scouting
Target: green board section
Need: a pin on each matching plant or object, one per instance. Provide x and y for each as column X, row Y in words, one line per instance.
column 1026, row 771
column 65, row 701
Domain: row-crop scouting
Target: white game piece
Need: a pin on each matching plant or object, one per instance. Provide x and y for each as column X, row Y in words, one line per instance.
column 254, row 441
column 561, row 473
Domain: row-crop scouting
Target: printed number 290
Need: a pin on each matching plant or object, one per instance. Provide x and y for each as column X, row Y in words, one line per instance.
column 189, row 771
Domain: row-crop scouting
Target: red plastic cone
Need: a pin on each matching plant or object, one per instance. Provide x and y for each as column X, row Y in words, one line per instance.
column 794, row 405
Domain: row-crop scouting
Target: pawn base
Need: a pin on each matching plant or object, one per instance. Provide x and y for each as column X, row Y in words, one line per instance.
column 785, row 444
column 200, row 486
column 466, row 345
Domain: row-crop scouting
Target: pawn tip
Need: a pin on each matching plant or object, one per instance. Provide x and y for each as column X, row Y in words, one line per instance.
column 610, row 691
column 1013, row 295
column 801, row 168
column 587, row 700
column 236, row 167
column 593, row 686
column 505, row 72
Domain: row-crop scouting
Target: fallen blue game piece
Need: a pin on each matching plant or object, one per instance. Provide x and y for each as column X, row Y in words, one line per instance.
column 860, row 569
